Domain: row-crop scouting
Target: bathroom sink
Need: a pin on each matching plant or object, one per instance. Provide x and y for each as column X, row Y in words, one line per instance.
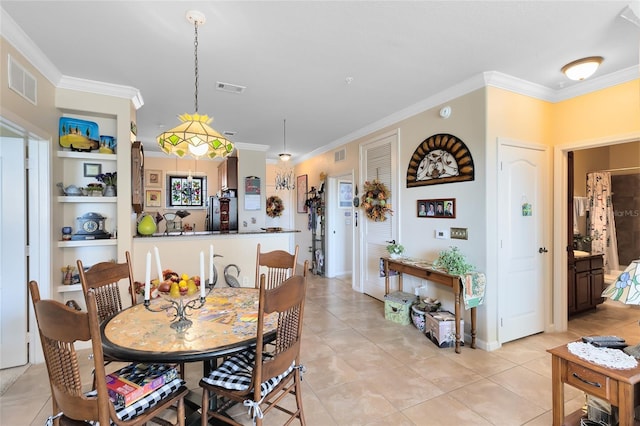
column 580, row 253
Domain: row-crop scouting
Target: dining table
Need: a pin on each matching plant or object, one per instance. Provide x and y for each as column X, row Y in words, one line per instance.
column 225, row 324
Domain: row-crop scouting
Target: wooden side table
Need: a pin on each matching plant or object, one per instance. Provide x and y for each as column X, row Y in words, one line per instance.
column 618, row 387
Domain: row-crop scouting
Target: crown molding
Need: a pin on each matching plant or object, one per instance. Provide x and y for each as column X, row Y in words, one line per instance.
column 102, row 88
column 27, row 48
column 598, row 83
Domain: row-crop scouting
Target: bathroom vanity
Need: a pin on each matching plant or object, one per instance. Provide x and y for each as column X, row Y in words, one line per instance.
column 586, row 282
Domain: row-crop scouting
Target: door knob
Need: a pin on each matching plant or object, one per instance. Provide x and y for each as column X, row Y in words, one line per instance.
column 542, row 250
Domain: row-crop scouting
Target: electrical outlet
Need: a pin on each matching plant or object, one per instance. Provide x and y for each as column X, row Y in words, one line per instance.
column 459, row 233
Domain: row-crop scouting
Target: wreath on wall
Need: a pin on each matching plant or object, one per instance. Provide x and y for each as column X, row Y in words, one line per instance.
column 274, row 206
column 374, row 201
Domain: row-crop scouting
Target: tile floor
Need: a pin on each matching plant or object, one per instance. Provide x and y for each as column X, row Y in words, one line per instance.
column 364, row 370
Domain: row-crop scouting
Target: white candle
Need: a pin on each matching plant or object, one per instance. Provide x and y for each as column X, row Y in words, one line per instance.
column 158, row 265
column 202, row 286
column 147, row 278
column 210, row 266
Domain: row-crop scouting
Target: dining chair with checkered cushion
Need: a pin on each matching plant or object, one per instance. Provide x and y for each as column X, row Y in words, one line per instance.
column 259, row 380
column 276, row 265
column 60, row 327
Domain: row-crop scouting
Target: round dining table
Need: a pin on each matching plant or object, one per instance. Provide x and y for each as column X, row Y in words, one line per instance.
column 226, row 323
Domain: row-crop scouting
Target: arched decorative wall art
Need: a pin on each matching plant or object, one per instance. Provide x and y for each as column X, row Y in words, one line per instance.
column 441, row 158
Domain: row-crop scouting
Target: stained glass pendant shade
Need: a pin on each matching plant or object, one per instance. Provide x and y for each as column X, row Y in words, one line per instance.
column 626, row 288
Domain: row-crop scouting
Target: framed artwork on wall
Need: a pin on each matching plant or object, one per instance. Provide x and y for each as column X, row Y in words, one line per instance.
column 92, row 169
column 301, row 191
column 153, row 178
column 153, row 198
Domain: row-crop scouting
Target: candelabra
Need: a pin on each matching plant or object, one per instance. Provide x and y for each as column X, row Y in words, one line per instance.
column 180, row 305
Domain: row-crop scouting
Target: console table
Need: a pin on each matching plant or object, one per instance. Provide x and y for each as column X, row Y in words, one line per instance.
column 425, row 271
column 618, row 387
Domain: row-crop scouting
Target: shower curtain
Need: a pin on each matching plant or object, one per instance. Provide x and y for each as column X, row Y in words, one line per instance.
column 601, row 226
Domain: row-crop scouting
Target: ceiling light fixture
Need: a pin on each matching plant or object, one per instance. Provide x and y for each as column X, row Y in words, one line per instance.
column 582, row 68
column 194, row 136
column 285, row 156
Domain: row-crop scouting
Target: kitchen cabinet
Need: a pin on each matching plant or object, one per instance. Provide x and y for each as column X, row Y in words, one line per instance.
column 586, row 283
column 228, row 174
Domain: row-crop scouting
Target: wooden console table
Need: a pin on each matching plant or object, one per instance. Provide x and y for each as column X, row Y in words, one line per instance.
column 426, row 272
column 618, row 387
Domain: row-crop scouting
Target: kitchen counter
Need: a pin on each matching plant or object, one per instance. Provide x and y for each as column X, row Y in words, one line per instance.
column 181, row 252
column 208, row 233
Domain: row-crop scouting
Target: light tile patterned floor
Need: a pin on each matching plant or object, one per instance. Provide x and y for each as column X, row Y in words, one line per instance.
column 364, row 370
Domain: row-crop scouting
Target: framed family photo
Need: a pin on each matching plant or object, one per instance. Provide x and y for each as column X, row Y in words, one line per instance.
column 444, row 208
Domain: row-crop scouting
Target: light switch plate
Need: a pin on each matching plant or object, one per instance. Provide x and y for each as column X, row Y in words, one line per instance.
column 459, row 233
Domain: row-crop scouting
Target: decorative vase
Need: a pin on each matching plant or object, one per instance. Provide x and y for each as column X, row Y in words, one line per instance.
column 147, row 226
column 109, row 191
column 395, row 255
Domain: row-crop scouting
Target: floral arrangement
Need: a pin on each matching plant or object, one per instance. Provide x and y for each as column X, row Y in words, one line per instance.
column 275, row 207
column 94, row 187
column 109, row 179
column 394, row 248
column 374, row 201
column 453, row 262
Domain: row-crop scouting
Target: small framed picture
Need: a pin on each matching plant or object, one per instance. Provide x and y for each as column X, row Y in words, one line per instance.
column 301, row 190
column 444, row 208
column 345, row 197
column 153, row 178
column 153, row 198
column 92, row 169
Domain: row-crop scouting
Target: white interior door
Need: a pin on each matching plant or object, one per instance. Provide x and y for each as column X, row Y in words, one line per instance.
column 522, row 207
column 13, row 246
column 340, row 226
column 379, row 160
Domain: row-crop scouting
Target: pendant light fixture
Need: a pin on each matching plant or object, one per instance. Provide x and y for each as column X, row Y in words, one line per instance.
column 284, row 176
column 194, row 136
column 285, row 156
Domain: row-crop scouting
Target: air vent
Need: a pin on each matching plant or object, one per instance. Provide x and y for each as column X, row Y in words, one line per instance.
column 340, row 155
column 228, row 87
column 229, row 133
column 22, row 82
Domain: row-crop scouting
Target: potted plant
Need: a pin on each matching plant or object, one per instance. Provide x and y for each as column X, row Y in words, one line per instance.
column 395, row 250
column 110, row 180
column 453, row 262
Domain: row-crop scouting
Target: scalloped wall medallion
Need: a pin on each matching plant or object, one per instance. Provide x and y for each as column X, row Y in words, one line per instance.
column 441, row 158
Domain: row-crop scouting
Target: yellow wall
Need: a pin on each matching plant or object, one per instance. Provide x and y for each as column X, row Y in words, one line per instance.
column 601, row 114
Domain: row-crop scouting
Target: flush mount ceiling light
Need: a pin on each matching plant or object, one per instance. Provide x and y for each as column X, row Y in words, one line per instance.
column 194, row 136
column 284, row 156
column 582, row 68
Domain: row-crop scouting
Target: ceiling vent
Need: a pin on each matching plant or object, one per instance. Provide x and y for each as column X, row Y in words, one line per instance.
column 340, row 155
column 228, row 87
column 229, row 133
column 22, row 82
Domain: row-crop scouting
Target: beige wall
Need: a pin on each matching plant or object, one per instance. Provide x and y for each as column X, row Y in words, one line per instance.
column 175, row 165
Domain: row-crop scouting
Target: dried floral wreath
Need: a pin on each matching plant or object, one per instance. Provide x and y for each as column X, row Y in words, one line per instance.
column 274, row 206
column 374, row 201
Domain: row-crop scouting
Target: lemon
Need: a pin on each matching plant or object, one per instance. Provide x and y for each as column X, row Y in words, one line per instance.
column 182, row 284
column 185, row 277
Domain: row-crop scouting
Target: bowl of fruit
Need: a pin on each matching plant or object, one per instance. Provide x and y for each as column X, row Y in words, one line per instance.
column 175, row 285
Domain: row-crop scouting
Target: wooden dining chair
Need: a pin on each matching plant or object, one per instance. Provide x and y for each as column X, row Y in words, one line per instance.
column 60, row 327
column 277, row 265
column 104, row 278
column 261, row 380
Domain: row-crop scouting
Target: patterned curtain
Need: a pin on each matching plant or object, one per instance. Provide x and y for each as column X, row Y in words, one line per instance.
column 601, row 226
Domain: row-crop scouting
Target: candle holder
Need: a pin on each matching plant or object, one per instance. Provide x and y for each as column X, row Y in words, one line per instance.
column 180, row 322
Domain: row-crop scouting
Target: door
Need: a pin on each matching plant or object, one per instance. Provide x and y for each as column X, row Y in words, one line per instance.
column 340, row 226
column 522, row 208
column 13, row 246
column 378, row 160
